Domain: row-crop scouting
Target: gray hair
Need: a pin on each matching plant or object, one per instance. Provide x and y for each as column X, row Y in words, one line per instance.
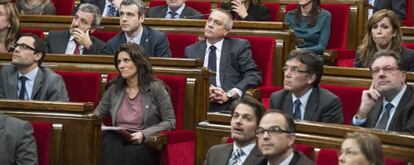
column 140, row 4
column 94, row 10
column 229, row 21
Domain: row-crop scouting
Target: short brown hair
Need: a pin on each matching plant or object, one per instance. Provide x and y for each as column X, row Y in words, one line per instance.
column 389, row 53
column 257, row 107
column 370, row 146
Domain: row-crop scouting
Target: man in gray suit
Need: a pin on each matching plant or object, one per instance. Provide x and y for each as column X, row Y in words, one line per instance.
column 17, row 143
column 247, row 113
column 276, row 139
column 174, row 9
column 78, row 39
column 389, row 103
column 26, row 79
column 302, row 98
column 230, row 58
column 132, row 15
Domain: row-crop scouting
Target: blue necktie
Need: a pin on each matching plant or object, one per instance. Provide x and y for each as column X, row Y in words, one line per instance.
column 212, row 64
column 296, row 113
column 382, row 124
column 172, row 14
column 235, row 159
column 111, row 11
column 22, row 87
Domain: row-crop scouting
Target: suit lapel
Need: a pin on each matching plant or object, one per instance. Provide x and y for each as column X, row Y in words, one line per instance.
column 146, row 104
column 287, row 105
column 163, row 11
column 2, row 123
column 63, row 44
column 13, row 84
column 254, row 156
column 38, row 83
column 311, row 105
column 405, row 99
column 144, row 40
column 225, row 156
column 185, row 12
column 225, row 57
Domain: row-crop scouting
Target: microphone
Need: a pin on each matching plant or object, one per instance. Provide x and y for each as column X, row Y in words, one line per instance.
column 200, row 16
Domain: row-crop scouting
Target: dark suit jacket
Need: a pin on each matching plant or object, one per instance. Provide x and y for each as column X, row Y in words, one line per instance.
column 161, row 11
column 237, row 67
column 407, row 56
column 17, row 143
column 99, row 3
column 220, row 155
column 322, row 105
column 156, row 104
column 403, row 119
column 298, row 159
column 47, row 86
column 57, row 42
column 397, row 6
column 255, row 12
column 154, row 42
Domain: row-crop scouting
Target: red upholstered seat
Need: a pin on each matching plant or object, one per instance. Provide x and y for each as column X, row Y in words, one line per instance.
column 409, row 20
column 274, row 9
column 38, row 32
column 306, row 149
column 82, row 86
column 327, row 157
column 345, row 58
column 267, row 92
column 408, row 45
column 104, row 35
column 204, row 7
column 350, row 97
column 43, row 135
column 179, row 41
column 64, row 7
column 390, row 161
column 262, row 53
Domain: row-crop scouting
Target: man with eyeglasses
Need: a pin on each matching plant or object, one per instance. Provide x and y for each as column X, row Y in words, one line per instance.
column 246, row 114
column 78, row 39
column 276, row 140
column 389, row 102
column 174, row 9
column 302, row 98
column 230, row 58
column 131, row 17
column 26, row 79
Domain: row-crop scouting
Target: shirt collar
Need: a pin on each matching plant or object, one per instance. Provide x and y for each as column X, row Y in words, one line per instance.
column 178, row 11
column 246, row 149
column 31, row 75
column 287, row 160
column 396, row 100
column 303, row 99
column 136, row 39
column 218, row 45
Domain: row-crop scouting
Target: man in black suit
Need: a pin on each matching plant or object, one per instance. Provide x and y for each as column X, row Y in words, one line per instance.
column 397, row 6
column 174, row 9
column 109, row 8
column 77, row 40
column 389, row 103
column 302, row 98
column 245, row 118
column 276, row 139
column 131, row 18
column 230, row 58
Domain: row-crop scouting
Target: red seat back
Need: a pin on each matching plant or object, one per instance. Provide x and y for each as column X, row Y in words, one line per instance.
column 408, row 45
column 64, row 7
column 350, row 97
column 274, row 9
column 339, row 23
column 104, row 35
column 204, row 7
column 38, row 32
column 345, row 58
column 179, row 41
column 43, row 134
column 390, row 161
column 409, row 20
column 82, row 86
column 306, row 149
column 267, row 92
column 327, row 157
column 263, row 54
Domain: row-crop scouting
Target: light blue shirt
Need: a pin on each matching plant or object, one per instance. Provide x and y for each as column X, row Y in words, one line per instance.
column 29, row 83
column 395, row 101
column 303, row 100
column 136, row 39
column 106, row 9
column 178, row 11
column 246, row 150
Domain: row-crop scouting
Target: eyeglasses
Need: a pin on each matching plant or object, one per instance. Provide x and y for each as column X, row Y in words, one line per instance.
column 294, row 70
column 386, row 70
column 271, row 131
column 23, row 47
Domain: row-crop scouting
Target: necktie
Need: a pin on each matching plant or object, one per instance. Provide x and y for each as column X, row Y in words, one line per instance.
column 77, row 49
column 235, row 159
column 212, row 63
column 111, row 11
column 22, row 87
column 382, row 124
column 172, row 14
column 296, row 113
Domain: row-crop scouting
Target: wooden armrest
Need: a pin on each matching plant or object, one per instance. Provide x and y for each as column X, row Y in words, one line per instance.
column 253, row 92
column 157, row 141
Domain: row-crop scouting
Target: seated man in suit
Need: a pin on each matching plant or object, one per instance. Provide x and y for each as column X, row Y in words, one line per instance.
column 78, row 39
column 131, row 18
column 17, row 143
column 244, row 121
column 108, row 8
column 230, row 58
column 397, row 6
column 276, row 140
column 302, row 98
column 174, row 9
column 389, row 103
column 26, row 79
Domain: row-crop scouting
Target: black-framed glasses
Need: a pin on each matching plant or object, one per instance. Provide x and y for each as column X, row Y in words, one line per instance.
column 387, row 69
column 271, row 131
column 294, row 70
column 23, row 47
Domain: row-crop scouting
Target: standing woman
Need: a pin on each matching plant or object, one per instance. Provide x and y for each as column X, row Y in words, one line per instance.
column 36, row 7
column 384, row 32
column 136, row 101
column 9, row 25
column 311, row 24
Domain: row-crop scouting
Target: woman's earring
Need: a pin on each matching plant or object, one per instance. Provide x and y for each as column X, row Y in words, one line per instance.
column 8, row 25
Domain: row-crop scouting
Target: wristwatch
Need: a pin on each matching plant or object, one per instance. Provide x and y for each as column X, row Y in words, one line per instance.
column 230, row 94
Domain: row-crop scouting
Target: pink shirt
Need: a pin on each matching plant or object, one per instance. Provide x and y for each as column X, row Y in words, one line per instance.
column 130, row 115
